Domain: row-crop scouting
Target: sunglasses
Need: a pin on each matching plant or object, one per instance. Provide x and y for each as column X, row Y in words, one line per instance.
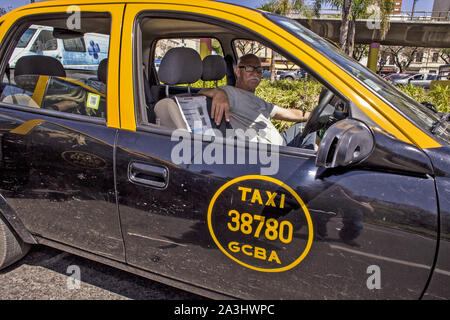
column 249, row 69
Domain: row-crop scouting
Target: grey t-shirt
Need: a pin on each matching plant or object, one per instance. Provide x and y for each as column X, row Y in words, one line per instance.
column 251, row 112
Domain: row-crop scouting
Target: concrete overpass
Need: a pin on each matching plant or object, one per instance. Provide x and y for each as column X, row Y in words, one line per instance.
column 416, row 33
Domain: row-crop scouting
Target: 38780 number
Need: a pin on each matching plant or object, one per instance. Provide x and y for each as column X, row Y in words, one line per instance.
column 273, row 229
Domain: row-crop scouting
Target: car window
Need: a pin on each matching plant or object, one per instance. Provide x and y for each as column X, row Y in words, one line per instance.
column 45, row 42
column 169, row 105
column 25, row 38
column 292, row 86
column 203, row 46
column 74, row 45
column 57, row 72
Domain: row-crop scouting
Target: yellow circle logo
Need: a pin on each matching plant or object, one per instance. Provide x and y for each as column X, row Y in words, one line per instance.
column 260, row 223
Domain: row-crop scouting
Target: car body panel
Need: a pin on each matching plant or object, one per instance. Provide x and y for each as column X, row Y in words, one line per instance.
column 397, row 233
column 420, row 79
column 58, row 175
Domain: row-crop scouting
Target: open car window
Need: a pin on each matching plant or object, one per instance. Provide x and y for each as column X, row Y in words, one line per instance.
column 168, row 87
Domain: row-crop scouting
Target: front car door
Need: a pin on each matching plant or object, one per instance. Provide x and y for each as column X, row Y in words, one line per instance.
column 239, row 229
column 57, row 135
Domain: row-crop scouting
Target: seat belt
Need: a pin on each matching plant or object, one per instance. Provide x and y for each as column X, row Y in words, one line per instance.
column 149, row 100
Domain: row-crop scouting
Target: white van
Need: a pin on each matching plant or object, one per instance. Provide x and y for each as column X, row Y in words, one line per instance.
column 83, row 52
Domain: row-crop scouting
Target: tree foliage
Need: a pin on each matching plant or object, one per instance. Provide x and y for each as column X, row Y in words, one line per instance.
column 402, row 56
column 445, row 55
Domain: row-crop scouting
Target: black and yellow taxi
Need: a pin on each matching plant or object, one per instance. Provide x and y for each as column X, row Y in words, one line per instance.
column 100, row 159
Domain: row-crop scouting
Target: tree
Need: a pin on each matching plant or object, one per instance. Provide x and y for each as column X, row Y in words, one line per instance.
column 248, row 46
column 445, row 55
column 402, row 56
column 360, row 51
column 283, row 7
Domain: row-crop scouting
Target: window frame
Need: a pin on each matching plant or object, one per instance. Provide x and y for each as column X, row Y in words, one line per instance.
column 9, row 42
column 141, row 119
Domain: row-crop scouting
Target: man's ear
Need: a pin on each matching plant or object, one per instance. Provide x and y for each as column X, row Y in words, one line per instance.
column 236, row 71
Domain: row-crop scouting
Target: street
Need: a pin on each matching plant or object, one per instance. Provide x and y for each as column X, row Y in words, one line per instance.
column 43, row 274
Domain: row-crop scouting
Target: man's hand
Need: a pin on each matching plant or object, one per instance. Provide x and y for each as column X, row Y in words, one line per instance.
column 220, row 104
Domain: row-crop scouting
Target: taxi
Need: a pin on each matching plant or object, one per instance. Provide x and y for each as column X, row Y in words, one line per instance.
column 121, row 162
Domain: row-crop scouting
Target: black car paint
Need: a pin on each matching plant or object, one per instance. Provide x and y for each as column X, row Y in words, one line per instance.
column 57, row 175
column 372, row 215
column 438, row 288
column 398, row 234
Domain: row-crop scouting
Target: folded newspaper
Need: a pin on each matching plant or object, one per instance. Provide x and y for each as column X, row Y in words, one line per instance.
column 195, row 114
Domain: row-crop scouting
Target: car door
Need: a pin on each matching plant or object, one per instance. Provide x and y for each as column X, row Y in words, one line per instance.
column 258, row 223
column 57, row 140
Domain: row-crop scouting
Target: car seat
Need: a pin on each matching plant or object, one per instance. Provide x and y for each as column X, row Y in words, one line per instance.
column 178, row 66
column 26, row 76
column 214, row 69
column 102, row 71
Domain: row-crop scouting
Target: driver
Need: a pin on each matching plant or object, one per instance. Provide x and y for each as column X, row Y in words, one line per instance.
column 251, row 112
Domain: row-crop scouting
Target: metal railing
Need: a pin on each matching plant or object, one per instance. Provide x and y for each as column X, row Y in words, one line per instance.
column 443, row 16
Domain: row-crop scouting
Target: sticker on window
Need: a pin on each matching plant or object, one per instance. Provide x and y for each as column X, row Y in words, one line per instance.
column 93, row 100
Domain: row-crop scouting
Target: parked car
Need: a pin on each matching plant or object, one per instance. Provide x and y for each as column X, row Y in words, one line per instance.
column 266, row 74
column 293, row 75
column 396, row 76
column 279, row 74
column 121, row 177
column 419, row 79
column 73, row 51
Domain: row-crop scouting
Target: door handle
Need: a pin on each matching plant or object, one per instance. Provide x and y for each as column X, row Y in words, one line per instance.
column 147, row 174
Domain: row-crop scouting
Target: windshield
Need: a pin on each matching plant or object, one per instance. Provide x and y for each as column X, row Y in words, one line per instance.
column 422, row 116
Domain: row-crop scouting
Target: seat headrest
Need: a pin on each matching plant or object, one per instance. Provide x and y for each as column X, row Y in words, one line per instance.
column 214, row 68
column 39, row 65
column 102, row 71
column 179, row 66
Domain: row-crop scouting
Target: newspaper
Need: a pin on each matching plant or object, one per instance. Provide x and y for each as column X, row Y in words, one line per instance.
column 195, row 114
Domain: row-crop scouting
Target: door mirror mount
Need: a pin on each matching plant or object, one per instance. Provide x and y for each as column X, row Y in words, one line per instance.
column 346, row 142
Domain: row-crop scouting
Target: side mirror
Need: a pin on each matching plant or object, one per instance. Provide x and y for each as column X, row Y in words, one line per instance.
column 346, row 142
column 430, row 106
column 352, row 142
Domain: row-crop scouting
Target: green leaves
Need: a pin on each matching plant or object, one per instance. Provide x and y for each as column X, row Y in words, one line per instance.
column 438, row 95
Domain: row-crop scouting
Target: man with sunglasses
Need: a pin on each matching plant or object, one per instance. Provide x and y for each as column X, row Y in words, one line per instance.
column 244, row 110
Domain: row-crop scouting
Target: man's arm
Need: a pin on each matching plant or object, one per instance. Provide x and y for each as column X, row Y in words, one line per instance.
column 293, row 115
column 220, row 104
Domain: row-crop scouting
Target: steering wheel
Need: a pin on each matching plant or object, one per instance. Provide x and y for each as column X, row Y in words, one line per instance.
column 313, row 123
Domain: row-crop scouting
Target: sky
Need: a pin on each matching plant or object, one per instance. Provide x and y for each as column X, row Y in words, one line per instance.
column 421, row 5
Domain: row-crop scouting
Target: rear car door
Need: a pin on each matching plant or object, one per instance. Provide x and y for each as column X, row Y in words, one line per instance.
column 245, row 230
column 57, row 135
